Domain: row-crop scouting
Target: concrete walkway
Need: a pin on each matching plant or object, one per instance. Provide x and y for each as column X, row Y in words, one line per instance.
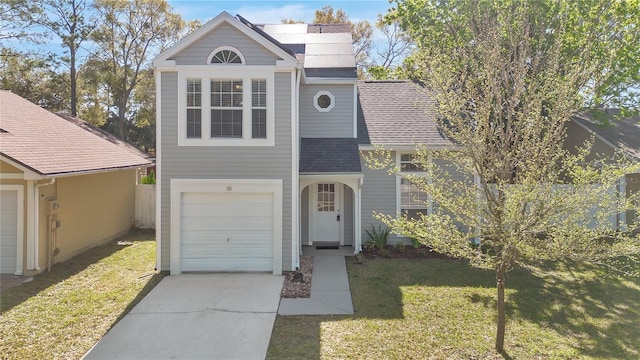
column 330, row 293
column 198, row 316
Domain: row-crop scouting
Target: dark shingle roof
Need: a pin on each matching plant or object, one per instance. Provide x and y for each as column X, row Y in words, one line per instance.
column 398, row 113
column 623, row 133
column 333, row 155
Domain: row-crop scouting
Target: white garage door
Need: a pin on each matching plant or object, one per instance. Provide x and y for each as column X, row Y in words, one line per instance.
column 226, row 232
column 8, row 230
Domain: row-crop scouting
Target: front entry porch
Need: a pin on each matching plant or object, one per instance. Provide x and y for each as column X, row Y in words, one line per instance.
column 330, row 213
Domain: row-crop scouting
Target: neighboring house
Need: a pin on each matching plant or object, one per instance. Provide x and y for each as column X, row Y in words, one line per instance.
column 260, row 137
column 65, row 186
column 618, row 134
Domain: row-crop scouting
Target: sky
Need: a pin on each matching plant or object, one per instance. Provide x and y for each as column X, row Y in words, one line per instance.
column 272, row 12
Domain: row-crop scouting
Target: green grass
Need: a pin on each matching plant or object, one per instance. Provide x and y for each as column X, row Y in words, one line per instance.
column 61, row 314
column 443, row 309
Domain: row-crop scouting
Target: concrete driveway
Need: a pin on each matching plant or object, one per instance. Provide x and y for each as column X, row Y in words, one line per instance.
column 198, row 316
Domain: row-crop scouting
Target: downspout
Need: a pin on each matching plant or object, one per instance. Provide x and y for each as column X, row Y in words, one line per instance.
column 36, row 222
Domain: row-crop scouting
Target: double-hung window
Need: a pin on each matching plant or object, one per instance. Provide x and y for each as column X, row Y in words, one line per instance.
column 194, row 108
column 259, row 109
column 413, row 200
column 226, row 108
column 236, row 108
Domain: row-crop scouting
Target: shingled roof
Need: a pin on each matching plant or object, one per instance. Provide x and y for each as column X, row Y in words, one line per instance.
column 398, row 113
column 50, row 145
column 337, row 155
column 622, row 133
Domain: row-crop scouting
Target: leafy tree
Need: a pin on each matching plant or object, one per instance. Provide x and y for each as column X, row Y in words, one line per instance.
column 16, row 16
column 67, row 20
column 130, row 32
column 32, row 77
column 507, row 77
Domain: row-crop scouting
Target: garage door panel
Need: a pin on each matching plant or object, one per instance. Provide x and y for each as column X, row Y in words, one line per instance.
column 227, row 232
column 8, row 230
column 227, row 264
column 263, row 223
column 202, row 250
column 228, row 210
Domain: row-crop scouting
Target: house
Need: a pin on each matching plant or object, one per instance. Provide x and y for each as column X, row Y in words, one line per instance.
column 261, row 131
column 65, row 186
column 614, row 135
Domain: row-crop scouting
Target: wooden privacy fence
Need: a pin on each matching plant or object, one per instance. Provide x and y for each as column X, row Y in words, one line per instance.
column 145, row 206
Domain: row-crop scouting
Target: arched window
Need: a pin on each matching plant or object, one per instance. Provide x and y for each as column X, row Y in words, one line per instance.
column 225, row 55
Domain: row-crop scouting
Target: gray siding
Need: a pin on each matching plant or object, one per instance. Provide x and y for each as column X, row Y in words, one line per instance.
column 347, row 214
column 337, row 123
column 225, row 35
column 246, row 162
column 379, row 195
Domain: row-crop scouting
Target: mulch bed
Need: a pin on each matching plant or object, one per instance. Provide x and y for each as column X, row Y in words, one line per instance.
column 297, row 284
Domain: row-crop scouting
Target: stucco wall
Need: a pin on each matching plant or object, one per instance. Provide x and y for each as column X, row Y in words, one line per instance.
column 92, row 209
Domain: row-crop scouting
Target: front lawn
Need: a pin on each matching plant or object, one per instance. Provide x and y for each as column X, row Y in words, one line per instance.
column 61, row 314
column 443, row 309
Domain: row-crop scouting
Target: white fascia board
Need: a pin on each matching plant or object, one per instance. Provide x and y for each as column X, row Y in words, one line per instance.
column 329, row 81
column 27, row 174
column 223, row 17
column 369, row 147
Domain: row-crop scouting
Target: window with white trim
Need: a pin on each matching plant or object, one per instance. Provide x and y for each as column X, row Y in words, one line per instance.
column 413, row 200
column 324, row 101
column 226, row 56
column 258, row 109
column 226, row 108
column 194, row 108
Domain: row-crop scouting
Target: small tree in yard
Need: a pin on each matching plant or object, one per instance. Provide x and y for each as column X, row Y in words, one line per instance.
column 508, row 75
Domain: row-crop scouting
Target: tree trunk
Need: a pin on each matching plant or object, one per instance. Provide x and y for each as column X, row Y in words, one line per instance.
column 121, row 112
column 501, row 315
column 74, row 99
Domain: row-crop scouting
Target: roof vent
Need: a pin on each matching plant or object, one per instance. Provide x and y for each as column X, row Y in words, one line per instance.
column 3, row 131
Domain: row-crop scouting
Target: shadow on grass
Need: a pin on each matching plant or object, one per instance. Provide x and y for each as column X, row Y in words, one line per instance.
column 64, row 270
column 599, row 313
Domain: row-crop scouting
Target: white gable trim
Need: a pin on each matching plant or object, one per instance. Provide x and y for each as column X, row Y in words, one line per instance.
column 223, row 17
column 27, row 174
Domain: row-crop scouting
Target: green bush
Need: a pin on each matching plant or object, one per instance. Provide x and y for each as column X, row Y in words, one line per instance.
column 415, row 243
column 379, row 236
column 148, row 179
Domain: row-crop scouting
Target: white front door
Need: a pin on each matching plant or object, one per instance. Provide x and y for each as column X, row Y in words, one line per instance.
column 325, row 210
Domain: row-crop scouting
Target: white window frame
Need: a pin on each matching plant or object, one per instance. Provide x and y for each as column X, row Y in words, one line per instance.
column 321, row 93
column 226, row 72
column 223, row 48
column 429, row 206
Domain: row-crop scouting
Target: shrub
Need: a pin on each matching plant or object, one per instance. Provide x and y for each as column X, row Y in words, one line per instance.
column 148, row 179
column 379, row 236
column 415, row 243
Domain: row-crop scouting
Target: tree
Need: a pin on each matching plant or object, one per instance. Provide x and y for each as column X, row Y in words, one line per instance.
column 66, row 19
column 397, row 45
column 16, row 16
column 32, row 77
column 507, row 77
column 130, row 32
